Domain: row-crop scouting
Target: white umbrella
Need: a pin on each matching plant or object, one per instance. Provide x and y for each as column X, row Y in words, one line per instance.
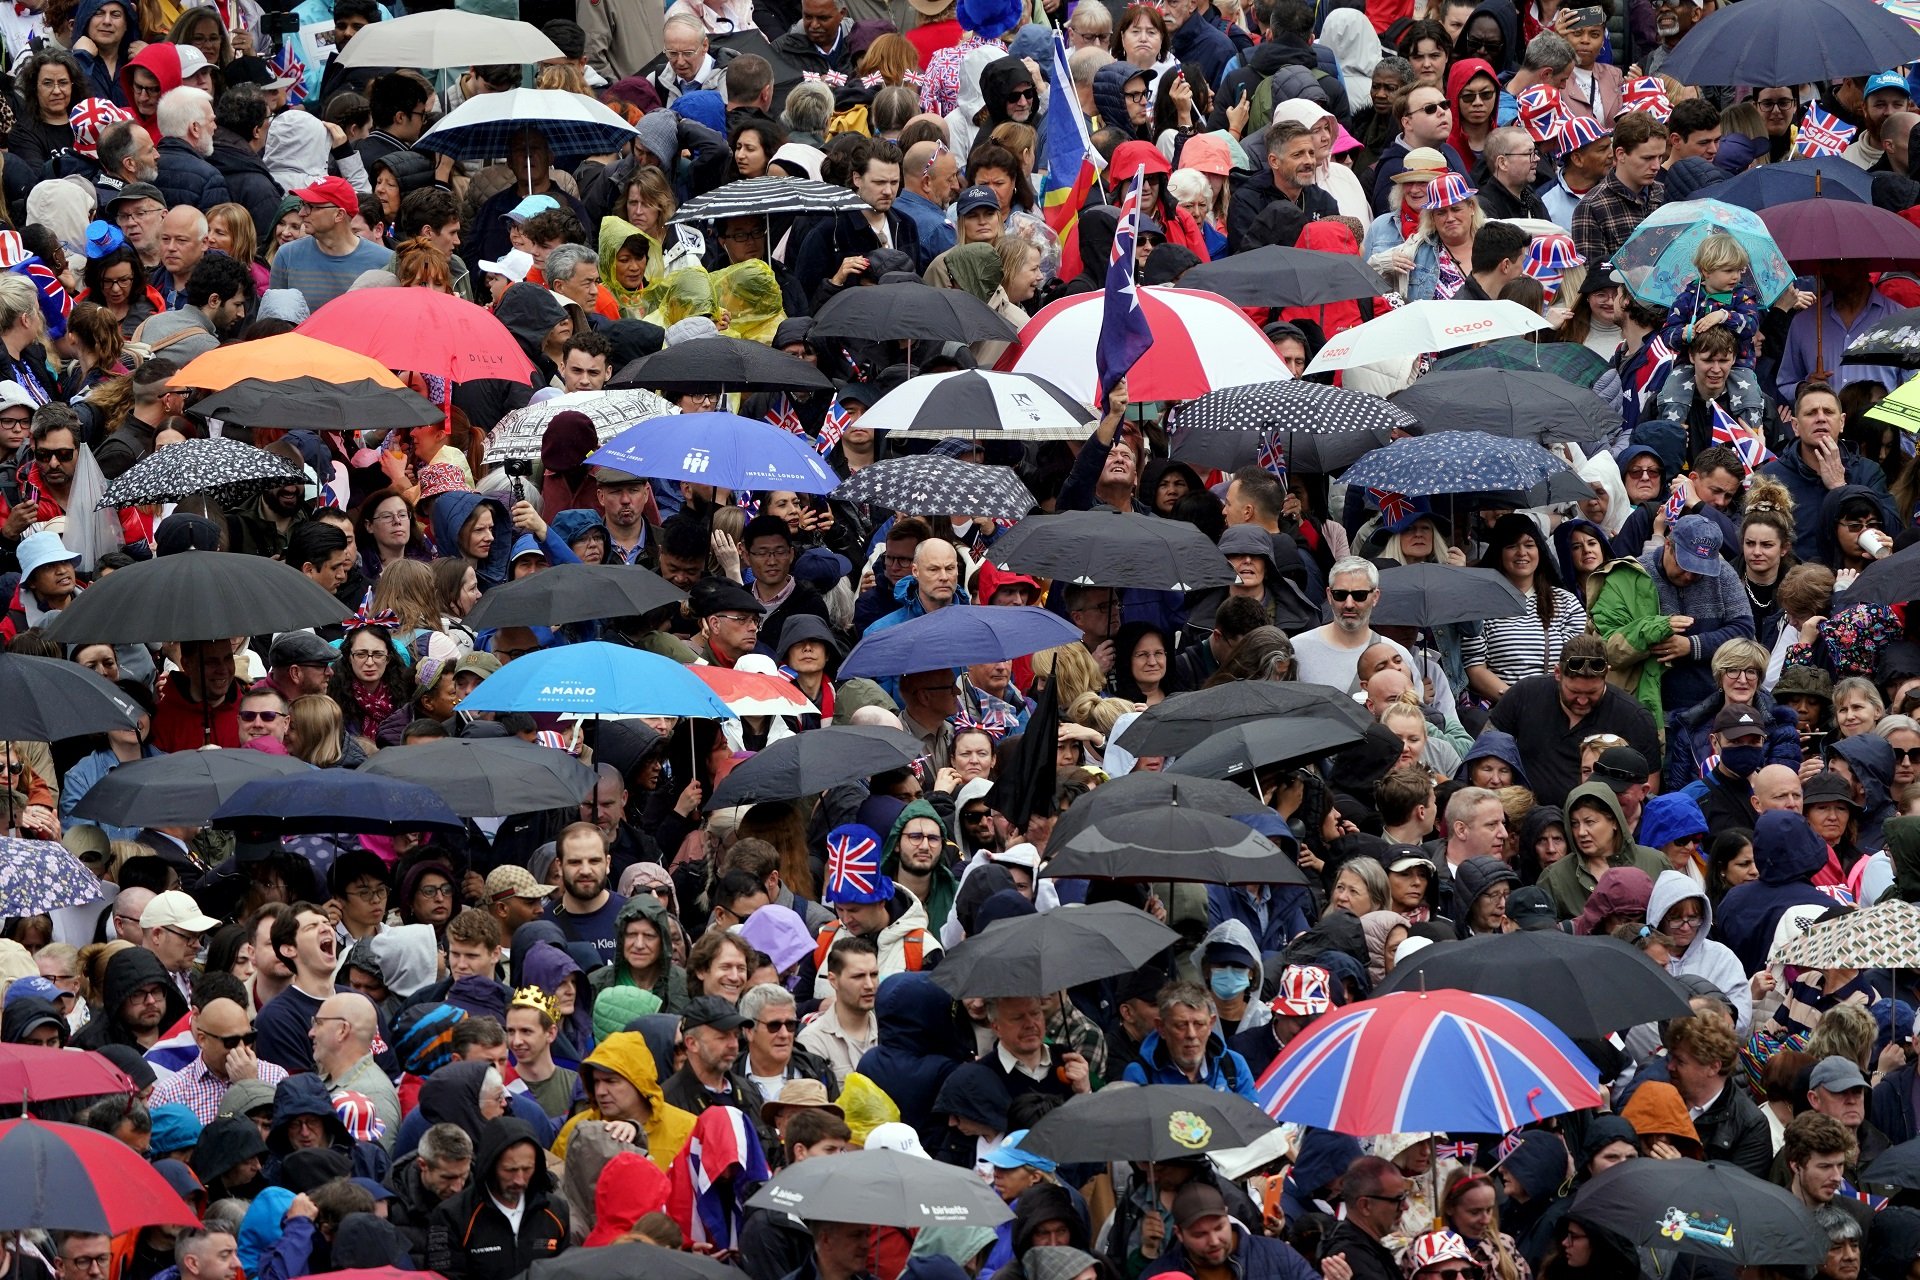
column 573, row 124
column 1420, row 327
column 518, row 434
column 448, row 38
column 977, row 402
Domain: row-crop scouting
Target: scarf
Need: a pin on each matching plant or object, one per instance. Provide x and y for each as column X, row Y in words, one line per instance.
column 374, row 705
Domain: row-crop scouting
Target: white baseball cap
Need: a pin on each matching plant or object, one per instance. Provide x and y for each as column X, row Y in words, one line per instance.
column 176, row 910
column 513, row 264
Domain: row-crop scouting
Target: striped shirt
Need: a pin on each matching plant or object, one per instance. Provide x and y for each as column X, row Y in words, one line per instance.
column 1517, row 647
column 200, row 1090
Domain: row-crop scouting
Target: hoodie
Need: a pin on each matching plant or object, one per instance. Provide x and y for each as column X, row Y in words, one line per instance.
column 1787, row 853
column 1870, row 757
column 127, row 972
column 162, row 60
column 1473, row 880
column 1620, row 891
column 671, row 985
column 627, row 1055
column 943, row 886
column 1568, row 881
column 1703, row 956
column 1500, row 11
column 451, row 1095
column 1110, row 101
column 630, row 1187
column 468, row 1235
column 1236, row 936
column 529, row 312
column 408, row 955
column 1671, row 816
column 261, row 1237
column 615, row 233
column 1493, row 744
column 544, row 962
column 918, row 1047
column 1601, row 469
column 449, row 515
column 101, row 82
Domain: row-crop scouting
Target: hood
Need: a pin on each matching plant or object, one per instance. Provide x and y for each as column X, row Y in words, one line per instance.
column 1657, row 1108
column 1129, row 156
column 570, row 526
column 1830, row 506
column 1538, row 819
column 1355, row 44
column 1892, row 1245
column 1604, row 1130
column 1324, row 1156
column 615, row 232
column 641, row 906
column 1501, row 11
column 451, row 1095
column 1466, row 69
column 132, row 969
column 975, row 268
column 1785, row 849
column 1472, row 880
column 1539, row 1164
column 408, row 956
column 224, row 1144
column 970, row 99
column 161, row 58
column 1231, row 933
column 1870, row 756
column 529, row 312
column 522, row 943
column 630, row 1186
column 998, row 80
column 1603, row 470
column 890, row 852
column 915, row 1014
column 1669, row 817
column 628, row 1054
column 303, row 1095
column 658, row 1030
column 297, row 149
column 615, row 1007
column 450, row 512
column 979, row 1096
column 1669, row 891
column 24, row 1013
column 1328, row 236
column 84, row 14
column 1043, row 1203
column 1109, row 96
column 569, row 440
column 260, row 1228
column 1618, row 891
column 1903, row 850
column 364, row 1240
column 496, row 1138
column 1603, row 793
column 1094, row 230
column 1492, row 744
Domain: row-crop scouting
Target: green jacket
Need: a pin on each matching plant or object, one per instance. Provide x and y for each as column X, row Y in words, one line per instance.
column 942, row 887
column 1568, row 882
column 1625, row 609
column 671, row 986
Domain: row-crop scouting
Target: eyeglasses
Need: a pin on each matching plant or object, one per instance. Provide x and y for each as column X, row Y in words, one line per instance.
column 366, row 655
column 230, row 1043
column 1403, row 1199
column 1137, row 95
column 1532, row 155
column 261, row 717
column 369, row 893
column 1341, row 595
column 1773, row 105
column 921, row 837
column 780, row 552
column 741, row 619
column 155, row 994
column 1860, row 524
column 434, row 891
column 1451, row 1272
column 390, row 517
column 1644, row 473
column 183, row 935
column 91, row 1262
column 330, row 1017
column 1584, row 666
column 53, row 455
column 774, row 1026
column 1431, row 109
column 16, row 419
column 1743, row 673
column 1478, row 95
column 1676, row 924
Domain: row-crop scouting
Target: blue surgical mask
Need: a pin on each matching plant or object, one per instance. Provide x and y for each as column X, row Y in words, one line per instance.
column 1230, row 983
column 1743, row 760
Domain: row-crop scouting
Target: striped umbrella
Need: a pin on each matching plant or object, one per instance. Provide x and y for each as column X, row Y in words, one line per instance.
column 754, row 693
column 1428, row 1062
column 979, row 402
column 761, row 197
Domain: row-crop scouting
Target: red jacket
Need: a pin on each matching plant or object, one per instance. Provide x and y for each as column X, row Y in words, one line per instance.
column 179, row 723
column 135, row 526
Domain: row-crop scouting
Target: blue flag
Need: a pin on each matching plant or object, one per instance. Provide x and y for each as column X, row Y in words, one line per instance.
column 1124, row 334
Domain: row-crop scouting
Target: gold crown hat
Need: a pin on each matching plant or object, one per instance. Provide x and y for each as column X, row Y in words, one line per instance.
column 535, row 998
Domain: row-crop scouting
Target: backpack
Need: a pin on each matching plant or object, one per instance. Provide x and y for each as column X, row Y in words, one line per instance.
column 916, row 947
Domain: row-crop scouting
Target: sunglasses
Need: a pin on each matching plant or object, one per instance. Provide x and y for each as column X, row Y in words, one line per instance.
column 1342, row 595
column 260, row 717
column 1910, row 754
column 230, row 1043
column 53, row 455
column 1431, row 109
column 1023, row 95
column 1584, row 666
column 777, row 1025
column 1479, row 95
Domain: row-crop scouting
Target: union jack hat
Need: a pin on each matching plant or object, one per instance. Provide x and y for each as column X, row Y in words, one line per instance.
column 1541, row 112
column 1582, row 131
column 853, row 867
column 1305, row 992
column 1550, row 257
column 90, row 118
column 1436, row 1247
column 1646, row 94
column 357, row 1113
column 1448, row 190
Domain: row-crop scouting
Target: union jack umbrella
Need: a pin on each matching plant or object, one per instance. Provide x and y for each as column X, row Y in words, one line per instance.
column 1428, row 1062
column 754, row 693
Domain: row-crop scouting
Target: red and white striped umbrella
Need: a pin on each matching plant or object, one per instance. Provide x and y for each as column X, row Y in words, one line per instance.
column 752, row 693
column 1201, row 342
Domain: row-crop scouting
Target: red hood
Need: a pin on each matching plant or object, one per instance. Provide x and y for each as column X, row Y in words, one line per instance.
column 990, row 579
column 630, row 1187
column 1457, row 76
column 163, row 60
column 1328, row 236
column 1129, row 156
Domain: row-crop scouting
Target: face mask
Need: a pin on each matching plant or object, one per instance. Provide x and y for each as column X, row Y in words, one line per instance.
column 1743, row 760
column 1229, row 984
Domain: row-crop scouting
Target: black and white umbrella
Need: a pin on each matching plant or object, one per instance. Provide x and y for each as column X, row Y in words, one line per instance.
column 977, row 402
column 1318, row 429
column 1109, row 549
column 734, row 364
column 228, row 468
column 518, row 434
column 910, row 312
column 761, row 197
column 573, row 124
column 931, row 485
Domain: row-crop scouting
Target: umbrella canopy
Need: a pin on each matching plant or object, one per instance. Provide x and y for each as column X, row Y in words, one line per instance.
column 1883, row 936
column 573, row 124
column 931, row 484
column 1568, row 361
column 1112, row 550
column 450, row 38
column 754, row 693
column 1420, row 327
column 1771, row 184
column 68, row 1178
column 1589, row 987
column 208, row 595
column 808, row 763
column 314, row 404
column 1892, row 580
column 1841, row 230
column 1790, row 42
column 280, row 358
column 1428, row 1062
column 518, row 434
column 596, row 678
column 40, row 875
column 42, row 1074
column 1432, row 595
column 1141, row 792
column 218, row 464
column 1894, row 341
column 957, row 636
column 1897, row 1166
column 1900, row 409
column 1041, row 954
column 1657, row 259
column 425, row 330
column 977, row 402
column 47, row 699
column 721, row 449
column 763, row 197
column 1201, row 342
column 1280, row 276
column 1182, row 722
column 884, row 1188
column 178, row 790
column 1520, row 404
column 1246, row 747
column 325, row 801
column 1465, row 462
column 733, row 364
column 1319, row 428
column 1713, row 1209
column 1158, row 1122
column 608, row 1262
column 911, row 313
column 488, row 777
column 574, row 593
column 1188, row 846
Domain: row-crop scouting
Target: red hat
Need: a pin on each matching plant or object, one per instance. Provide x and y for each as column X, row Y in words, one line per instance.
column 337, row 192
column 990, row 579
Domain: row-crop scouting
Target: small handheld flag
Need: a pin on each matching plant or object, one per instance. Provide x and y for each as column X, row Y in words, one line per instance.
column 1822, row 133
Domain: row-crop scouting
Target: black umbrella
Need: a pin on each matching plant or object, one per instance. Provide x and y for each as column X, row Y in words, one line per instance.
column 225, row 467
column 764, row 197
column 196, row 595
column 488, row 777
column 1190, row 846
column 1140, row 793
column 574, row 593
column 720, row 361
column 1567, row 361
column 620, row 1261
column 884, row 1188
column 46, row 699
column 911, row 313
column 1517, row 404
column 1897, row 1166
column 1321, row 429
column 808, row 763
column 314, row 404
column 1263, row 742
column 1894, row 340
column 1158, row 1122
column 1185, row 720
column 1432, row 595
column 1031, row 768
column 1893, row 580
column 1109, row 549
column 325, row 801
column 1278, row 276
column 1717, row 1210
column 177, row 790
column 1039, row 955
column 931, row 484
column 1589, row 987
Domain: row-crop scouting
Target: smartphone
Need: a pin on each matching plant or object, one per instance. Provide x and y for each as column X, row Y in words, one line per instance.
column 1590, row 16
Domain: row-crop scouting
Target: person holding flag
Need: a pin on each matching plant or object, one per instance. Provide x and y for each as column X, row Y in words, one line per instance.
column 1073, row 166
column 1706, row 378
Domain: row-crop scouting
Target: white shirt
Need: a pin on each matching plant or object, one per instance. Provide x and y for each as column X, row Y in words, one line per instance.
column 512, row 1215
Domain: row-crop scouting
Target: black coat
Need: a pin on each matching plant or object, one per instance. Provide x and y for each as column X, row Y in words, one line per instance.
column 186, row 177
column 248, row 182
column 469, row 1239
column 847, row 235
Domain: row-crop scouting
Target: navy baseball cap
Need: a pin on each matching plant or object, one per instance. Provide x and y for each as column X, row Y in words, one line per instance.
column 1696, row 544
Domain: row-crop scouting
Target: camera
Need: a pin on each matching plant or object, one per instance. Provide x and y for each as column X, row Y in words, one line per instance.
column 518, row 469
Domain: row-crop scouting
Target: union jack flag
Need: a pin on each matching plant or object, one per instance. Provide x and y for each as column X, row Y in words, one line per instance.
column 784, row 416
column 1741, row 438
column 289, row 63
column 1872, row 1201
column 710, row 1180
column 1676, row 506
column 744, row 499
column 853, row 863
column 1821, row 134
column 1394, row 507
column 1651, row 375
column 832, row 427
column 1273, row 458
column 1462, row 1151
column 1511, row 1143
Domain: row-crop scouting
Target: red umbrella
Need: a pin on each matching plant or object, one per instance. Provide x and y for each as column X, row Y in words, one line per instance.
column 423, row 331
column 35, row 1074
column 1812, row 231
column 66, row 1178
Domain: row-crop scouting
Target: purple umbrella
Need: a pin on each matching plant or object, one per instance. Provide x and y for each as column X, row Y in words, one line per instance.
column 1839, row 230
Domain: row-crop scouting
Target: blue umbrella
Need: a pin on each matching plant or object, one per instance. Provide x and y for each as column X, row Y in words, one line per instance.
column 958, row 636
column 1464, row 462
column 1791, row 42
column 597, row 678
column 40, row 875
column 335, row 800
column 1657, row 259
column 1830, row 178
column 722, row 449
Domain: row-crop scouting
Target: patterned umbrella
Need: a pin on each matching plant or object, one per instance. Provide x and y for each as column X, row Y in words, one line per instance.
column 40, row 875
column 1894, row 341
column 573, row 124
column 1568, row 361
column 219, row 465
column 518, row 434
column 929, row 484
column 1519, row 404
column 760, row 197
column 1465, row 462
column 1885, row 935
column 1113, row 550
column 1657, row 259
column 1428, row 1062
column 721, row 449
column 754, row 693
column 977, row 402
column 1317, row 428
column 1201, row 342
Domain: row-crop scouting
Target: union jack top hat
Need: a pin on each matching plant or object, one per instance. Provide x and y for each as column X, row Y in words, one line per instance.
column 853, row 867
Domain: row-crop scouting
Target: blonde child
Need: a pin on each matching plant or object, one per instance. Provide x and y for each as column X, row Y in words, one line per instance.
column 1721, row 294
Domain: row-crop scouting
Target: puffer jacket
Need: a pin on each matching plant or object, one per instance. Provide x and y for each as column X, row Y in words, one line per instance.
column 186, row 177
column 1690, row 731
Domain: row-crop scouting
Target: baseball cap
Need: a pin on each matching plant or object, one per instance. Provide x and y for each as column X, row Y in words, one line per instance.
column 1621, row 767
column 252, row 70
column 1886, row 80
column 514, row 882
column 1696, row 544
column 1404, row 857
column 513, row 264
column 531, row 207
column 301, row 649
column 1531, row 908
column 1006, row 1154
column 1740, row 720
column 1836, row 1074
column 337, row 192
column 176, row 910
column 1198, row 1200
column 975, row 198
column 477, row 664
column 192, row 61
column 147, row 191
column 14, row 396
column 711, row 1011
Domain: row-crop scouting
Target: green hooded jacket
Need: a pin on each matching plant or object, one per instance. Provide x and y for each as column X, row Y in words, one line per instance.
column 943, row 886
column 1625, row 612
column 670, row 987
column 1568, row 882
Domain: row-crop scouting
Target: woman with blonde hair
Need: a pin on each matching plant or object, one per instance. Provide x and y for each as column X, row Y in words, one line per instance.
column 781, row 826
column 230, row 230
column 1070, row 669
column 406, row 587
column 314, row 728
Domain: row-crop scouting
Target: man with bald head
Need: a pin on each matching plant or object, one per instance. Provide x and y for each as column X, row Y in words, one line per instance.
column 929, row 181
column 1895, row 132
column 128, row 906
column 1776, row 787
column 933, row 585
column 342, row 1034
column 606, row 808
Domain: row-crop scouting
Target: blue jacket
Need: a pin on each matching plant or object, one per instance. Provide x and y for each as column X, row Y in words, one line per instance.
column 1197, row 40
column 917, row 1050
column 1890, row 1107
column 1254, row 1258
column 186, row 177
column 1690, row 728
column 1787, row 854
column 1870, row 757
column 450, row 512
column 1225, row 1070
column 101, row 81
column 936, row 236
column 1718, row 605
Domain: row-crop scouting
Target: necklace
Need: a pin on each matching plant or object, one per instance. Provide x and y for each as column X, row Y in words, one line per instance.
column 1760, row 604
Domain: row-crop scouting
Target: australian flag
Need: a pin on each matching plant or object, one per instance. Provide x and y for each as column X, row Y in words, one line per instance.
column 1741, row 438
column 1124, row 335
